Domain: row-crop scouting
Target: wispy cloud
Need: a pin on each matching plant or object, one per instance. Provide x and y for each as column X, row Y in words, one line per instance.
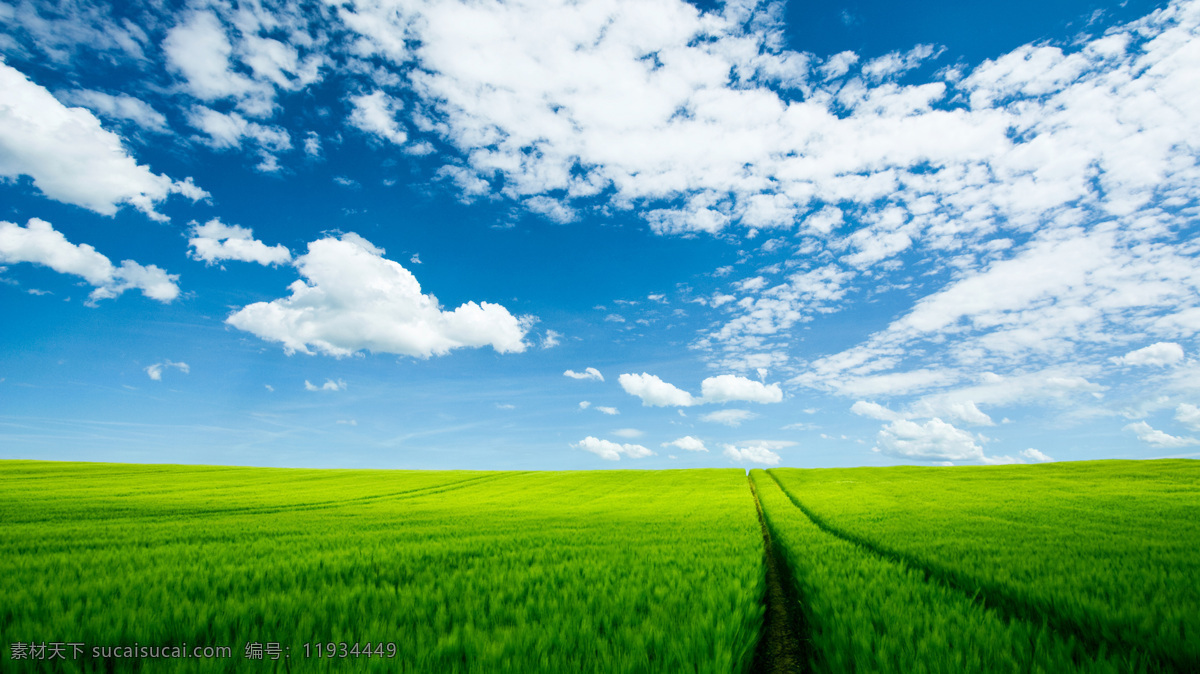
column 329, row 385
column 156, row 370
column 589, row 373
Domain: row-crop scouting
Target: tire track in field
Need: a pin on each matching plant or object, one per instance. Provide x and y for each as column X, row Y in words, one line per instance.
column 783, row 647
column 1005, row 602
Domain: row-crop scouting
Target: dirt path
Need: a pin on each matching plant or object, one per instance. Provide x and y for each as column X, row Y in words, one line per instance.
column 783, row 646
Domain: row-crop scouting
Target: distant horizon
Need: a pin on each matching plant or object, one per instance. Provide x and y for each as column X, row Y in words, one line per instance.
column 747, row 469
column 605, row 234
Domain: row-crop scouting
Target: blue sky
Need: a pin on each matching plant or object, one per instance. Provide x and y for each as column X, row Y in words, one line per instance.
column 599, row 234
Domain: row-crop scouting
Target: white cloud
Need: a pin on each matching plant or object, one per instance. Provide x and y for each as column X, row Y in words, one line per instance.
column 934, row 440
column 687, row 443
column 1035, row 455
column 59, row 31
column 728, row 387
column 1051, row 174
column 1188, row 415
column 39, row 243
column 655, row 392
column 964, row 411
column 552, row 338
column 1152, row 436
column 606, row 449
column 329, row 385
column 353, row 299
column 1159, row 354
column 589, row 373
column 875, row 411
column 1067, row 296
column 628, row 433
column 155, row 371
column 762, row 452
column 70, row 156
column 611, row 411
column 199, row 48
column 728, row 417
column 214, row 241
column 704, row 124
column 312, row 144
column 896, row 62
column 119, row 106
column 375, row 114
column 893, row 383
column 227, row 131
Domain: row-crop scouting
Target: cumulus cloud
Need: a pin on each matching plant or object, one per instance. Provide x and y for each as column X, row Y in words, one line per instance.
column 1158, row 354
column 329, row 385
column 934, row 440
column 375, row 114
column 728, row 387
column 655, row 392
column 875, row 411
column 589, row 373
column 224, row 53
column 39, row 243
column 732, row 418
column 1035, row 455
column 761, row 452
column 353, row 299
column 229, row 130
column 1152, row 436
column 199, row 49
column 155, row 371
column 611, row 451
column 687, row 443
column 214, row 241
column 1188, row 415
column 71, row 157
column 965, row 411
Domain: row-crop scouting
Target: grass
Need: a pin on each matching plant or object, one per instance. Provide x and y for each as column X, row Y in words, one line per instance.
column 868, row 613
column 1087, row 567
column 1107, row 550
column 495, row 572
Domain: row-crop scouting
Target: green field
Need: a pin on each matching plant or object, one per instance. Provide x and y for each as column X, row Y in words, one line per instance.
column 1084, row 567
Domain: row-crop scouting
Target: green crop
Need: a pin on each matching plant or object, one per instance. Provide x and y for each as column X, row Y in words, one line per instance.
column 1106, row 550
column 486, row 572
column 867, row 613
column 1089, row 567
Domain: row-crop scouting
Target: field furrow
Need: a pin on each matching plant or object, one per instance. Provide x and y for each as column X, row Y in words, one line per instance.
column 868, row 613
column 1103, row 551
column 784, row 646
